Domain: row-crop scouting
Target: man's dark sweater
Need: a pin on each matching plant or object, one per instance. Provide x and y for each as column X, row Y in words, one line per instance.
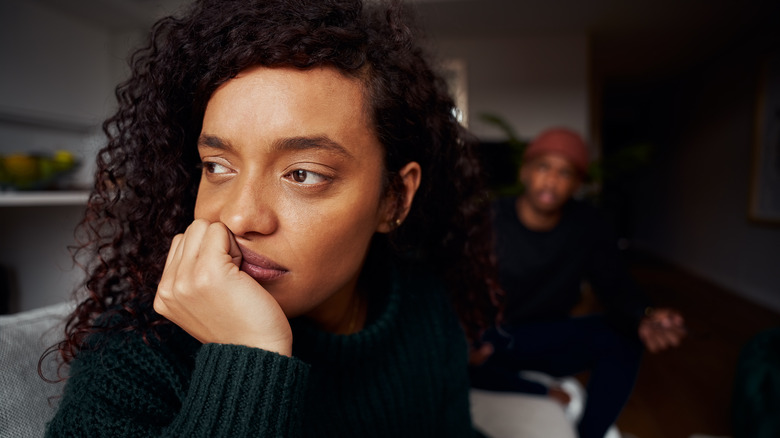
column 403, row 375
column 542, row 271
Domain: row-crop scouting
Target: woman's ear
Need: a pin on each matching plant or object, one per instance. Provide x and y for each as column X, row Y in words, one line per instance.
column 398, row 203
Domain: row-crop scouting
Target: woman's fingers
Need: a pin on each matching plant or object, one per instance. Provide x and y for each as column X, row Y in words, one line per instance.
column 182, row 253
column 203, row 291
column 218, row 241
column 229, row 244
column 192, row 241
column 165, row 285
column 174, row 247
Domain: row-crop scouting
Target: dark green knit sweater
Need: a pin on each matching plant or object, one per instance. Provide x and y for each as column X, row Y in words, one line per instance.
column 404, row 375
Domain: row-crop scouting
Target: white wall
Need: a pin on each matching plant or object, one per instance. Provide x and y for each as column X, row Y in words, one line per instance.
column 55, row 83
column 694, row 210
column 34, row 241
column 53, row 63
column 533, row 82
column 57, row 76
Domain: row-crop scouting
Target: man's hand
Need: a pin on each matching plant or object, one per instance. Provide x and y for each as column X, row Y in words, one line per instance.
column 661, row 329
column 478, row 355
column 559, row 395
column 203, row 291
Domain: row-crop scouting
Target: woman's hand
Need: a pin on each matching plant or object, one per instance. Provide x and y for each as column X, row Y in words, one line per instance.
column 203, row 291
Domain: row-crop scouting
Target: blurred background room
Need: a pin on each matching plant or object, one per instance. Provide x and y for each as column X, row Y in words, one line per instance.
column 679, row 102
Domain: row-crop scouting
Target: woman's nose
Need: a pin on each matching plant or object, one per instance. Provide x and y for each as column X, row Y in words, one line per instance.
column 249, row 210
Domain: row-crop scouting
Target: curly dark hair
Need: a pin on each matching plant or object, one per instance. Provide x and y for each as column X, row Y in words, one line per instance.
column 147, row 175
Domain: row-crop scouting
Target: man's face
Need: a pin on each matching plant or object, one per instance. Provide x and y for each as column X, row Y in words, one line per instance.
column 549, row 180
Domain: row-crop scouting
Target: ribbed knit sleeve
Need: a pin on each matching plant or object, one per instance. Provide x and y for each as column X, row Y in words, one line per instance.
column 130, row 389
column 238, row 391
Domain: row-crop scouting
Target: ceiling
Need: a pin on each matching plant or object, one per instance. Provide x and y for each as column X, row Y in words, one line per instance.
column 117, row 15
column 629, row 38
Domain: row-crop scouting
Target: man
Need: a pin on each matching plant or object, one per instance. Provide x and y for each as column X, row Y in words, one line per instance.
column 547, row 245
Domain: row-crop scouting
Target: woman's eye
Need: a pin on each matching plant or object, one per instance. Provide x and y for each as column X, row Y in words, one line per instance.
column 215, row 168
column 305, row 177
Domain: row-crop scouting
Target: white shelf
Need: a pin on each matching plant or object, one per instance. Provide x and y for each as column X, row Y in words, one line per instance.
column 46, row 120
column 40, row 198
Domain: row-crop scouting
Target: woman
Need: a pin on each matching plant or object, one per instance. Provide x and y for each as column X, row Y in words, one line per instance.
column 284, row 217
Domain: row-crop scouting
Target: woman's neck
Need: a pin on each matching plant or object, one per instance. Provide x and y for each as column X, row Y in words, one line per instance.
column 344, row 314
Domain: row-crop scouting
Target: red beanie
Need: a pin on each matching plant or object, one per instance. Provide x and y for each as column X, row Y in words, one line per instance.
column 561, row 141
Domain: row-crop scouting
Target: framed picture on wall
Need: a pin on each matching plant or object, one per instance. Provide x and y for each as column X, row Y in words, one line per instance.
column 765, row 178
column 454, row 73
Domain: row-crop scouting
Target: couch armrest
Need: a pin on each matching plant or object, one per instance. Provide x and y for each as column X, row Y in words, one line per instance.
column 27, row 402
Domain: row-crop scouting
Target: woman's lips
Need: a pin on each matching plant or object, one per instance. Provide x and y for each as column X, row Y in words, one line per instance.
column 258, row 267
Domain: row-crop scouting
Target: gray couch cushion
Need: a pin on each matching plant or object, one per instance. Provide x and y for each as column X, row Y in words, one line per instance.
column 27, row 402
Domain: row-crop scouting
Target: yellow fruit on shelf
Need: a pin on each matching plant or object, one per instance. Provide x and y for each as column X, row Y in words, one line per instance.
column 35, row 171
column 63, row 160
column 21, row 170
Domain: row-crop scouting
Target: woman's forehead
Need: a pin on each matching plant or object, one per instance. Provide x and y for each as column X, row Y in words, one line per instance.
column 279, row 105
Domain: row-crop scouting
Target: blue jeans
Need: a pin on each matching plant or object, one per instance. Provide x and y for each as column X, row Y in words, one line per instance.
column 564, row 348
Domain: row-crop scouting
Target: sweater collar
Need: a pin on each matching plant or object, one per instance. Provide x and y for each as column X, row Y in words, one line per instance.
column 313, row 344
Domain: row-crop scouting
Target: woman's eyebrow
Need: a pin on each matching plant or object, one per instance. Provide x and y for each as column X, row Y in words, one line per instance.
column 316, row 142
column 285, row 144
column 213, row 141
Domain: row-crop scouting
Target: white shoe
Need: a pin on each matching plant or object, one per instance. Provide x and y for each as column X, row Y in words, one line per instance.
column 577, row 395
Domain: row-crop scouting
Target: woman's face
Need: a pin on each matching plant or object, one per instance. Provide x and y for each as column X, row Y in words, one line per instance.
column 293, row 168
